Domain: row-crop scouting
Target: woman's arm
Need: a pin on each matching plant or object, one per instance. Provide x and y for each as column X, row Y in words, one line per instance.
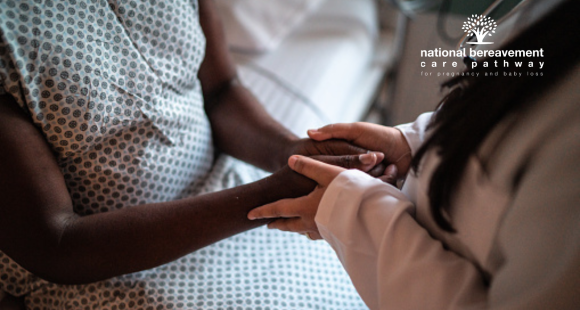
column 392, row 261
column 395, row 264
column 40, row 231
column 241, row 126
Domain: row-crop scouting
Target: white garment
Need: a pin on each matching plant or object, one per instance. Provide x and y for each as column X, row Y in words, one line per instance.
column 515, row 247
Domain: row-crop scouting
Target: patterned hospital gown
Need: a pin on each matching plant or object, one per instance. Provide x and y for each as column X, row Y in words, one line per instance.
column 113, row 86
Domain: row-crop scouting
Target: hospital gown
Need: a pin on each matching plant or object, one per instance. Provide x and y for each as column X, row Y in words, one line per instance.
column 113, row 87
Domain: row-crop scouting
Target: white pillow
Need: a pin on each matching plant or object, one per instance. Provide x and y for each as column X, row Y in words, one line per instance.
column 258, row 26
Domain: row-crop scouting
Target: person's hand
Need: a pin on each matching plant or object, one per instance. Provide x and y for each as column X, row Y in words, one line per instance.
column 297, row 185
column 339, row 153
column 310, row 147
column 297, row 215
column 387, row 140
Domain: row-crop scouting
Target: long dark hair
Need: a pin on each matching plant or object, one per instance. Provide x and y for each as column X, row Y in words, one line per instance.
column 475, row 105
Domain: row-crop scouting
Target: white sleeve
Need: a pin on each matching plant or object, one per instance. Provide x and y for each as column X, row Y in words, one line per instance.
column 392, row 261
column 395, row 264
column 415, row 132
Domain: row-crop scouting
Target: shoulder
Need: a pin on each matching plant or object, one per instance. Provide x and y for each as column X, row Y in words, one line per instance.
column 549, row 128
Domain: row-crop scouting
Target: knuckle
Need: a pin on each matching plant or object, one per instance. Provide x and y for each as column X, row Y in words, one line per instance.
column 298, row 226
column 348, row 161
column 329, row 128
column 273, row 225
column 281, row 225
column 276, row 212
column 299, row 165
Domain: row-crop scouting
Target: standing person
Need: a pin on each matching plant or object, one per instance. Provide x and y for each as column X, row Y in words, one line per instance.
column 489, row 216
column 111, row 113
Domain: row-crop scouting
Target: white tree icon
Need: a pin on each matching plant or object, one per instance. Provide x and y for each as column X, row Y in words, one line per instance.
column 480, row 26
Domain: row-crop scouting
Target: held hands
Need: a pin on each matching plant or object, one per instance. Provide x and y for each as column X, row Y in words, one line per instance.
column 296, row 185
column 297, row 215
column 387, row 140
column 336, row 152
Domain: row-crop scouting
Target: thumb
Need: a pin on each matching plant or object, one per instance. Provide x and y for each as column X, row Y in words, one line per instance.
column 349, row 132
column 390, row 175
column 364, row 162
column 313, row 169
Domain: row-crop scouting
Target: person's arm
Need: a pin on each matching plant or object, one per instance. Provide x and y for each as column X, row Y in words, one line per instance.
column 395, row 264
column 415, row 133
column 241, row 126
column 40, row 231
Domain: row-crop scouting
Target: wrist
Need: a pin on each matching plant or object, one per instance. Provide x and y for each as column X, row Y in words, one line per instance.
column 404, row 157
column 285, row 183
column 289, row 145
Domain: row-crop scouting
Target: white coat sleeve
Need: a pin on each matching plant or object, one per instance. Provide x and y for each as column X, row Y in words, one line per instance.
column 395, row 264
column 392, row 261
column 415, row 132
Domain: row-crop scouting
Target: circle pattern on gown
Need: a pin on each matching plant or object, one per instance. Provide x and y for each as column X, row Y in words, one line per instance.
column 113, row 87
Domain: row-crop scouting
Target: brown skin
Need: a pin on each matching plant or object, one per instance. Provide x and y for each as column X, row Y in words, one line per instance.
column 39, row 229
column 387, row 140
column 240, row 124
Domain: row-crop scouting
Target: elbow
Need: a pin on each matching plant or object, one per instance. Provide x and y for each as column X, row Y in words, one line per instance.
column 45, row 255
column 62, row 268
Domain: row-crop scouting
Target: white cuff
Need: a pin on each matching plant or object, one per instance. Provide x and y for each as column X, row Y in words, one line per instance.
column 415, row 132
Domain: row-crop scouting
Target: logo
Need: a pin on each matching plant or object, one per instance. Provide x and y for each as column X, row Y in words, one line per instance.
column 479, row 26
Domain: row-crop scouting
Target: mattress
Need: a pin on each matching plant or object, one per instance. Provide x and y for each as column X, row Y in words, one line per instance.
column 326, row 71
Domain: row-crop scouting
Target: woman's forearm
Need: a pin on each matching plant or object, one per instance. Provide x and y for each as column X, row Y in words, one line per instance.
column 101, row 246
column 41, row 232
column 242, row 128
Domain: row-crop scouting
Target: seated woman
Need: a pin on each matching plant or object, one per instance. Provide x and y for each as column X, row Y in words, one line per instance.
column 489, row 217
column 111, row 116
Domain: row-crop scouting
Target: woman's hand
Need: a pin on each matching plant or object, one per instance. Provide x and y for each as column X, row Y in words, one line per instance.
column 330, row 147
column 296, row 185
column 374, row 137
column 341, row 153
column 297, row 215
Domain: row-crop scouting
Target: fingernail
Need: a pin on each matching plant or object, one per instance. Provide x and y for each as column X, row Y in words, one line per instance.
column 292, row 160
column 367, row 159
column 391, row 171
column 251, row 217
column 380, row 156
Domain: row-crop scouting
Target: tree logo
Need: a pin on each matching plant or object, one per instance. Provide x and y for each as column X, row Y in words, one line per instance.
column 479, row 26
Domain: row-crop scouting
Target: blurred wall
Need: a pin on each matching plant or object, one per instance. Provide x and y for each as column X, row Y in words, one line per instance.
column 414, row 93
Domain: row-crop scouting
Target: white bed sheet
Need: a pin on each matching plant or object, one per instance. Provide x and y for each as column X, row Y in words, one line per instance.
column 330, row 62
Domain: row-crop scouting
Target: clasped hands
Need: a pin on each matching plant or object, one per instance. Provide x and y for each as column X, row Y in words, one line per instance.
column 389, row 159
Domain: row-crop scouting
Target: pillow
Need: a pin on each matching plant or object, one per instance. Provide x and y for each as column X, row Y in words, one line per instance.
column 258, row 26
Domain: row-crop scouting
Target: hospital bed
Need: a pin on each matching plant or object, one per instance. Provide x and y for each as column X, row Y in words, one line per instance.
column 328, row 68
